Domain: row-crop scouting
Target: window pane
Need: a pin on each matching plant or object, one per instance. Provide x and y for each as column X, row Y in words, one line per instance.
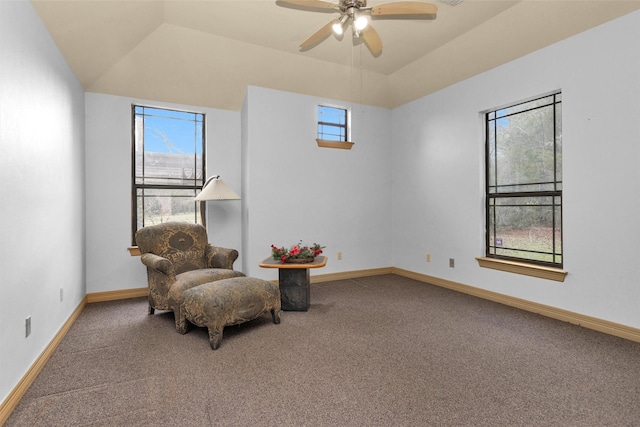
column 156, row 206
column 170, row 135
column 331, row 133
column 525, row 227
column 331, row 115
column 526, row 146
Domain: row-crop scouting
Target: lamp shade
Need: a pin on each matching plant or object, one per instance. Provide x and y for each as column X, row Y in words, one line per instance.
column 216, row 189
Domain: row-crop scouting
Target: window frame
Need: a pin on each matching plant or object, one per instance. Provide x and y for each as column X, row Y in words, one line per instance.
column 346, row 126
column 555, row 193
column 198, row 183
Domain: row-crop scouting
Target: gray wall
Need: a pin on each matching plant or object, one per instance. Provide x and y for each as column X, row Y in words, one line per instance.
column 42, row 219
column 299, row 191
column 438, row 168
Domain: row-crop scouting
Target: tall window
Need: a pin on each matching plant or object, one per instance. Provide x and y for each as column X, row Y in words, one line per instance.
column 524, row 182
column 167, row 166
column 332, row 123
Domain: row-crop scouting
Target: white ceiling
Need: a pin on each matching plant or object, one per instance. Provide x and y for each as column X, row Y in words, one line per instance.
column 207, row 52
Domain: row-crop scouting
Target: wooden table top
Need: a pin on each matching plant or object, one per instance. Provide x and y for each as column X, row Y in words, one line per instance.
column 319, row 261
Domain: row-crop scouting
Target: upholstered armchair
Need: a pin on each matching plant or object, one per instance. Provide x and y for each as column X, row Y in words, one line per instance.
column 178, row 257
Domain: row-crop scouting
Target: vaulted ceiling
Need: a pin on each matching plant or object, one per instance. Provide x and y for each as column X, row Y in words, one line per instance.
column 207, row 52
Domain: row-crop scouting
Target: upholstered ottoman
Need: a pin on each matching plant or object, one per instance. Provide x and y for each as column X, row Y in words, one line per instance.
column 228, row 302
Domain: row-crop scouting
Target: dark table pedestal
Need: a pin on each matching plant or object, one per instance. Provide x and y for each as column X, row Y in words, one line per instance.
column 294, row 289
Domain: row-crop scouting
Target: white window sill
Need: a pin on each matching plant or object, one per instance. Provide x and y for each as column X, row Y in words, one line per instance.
column 533, row 270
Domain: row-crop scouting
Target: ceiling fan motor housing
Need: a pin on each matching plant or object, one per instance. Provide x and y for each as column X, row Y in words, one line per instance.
column 345, row 5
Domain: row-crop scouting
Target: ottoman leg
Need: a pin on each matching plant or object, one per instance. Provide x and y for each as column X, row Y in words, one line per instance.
column 182, row 326
column 215, row 336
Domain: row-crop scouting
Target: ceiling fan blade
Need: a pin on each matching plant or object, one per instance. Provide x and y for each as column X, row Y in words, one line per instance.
column 405, row 10
column 310, row 5
column 318, row 37
column 372, row 40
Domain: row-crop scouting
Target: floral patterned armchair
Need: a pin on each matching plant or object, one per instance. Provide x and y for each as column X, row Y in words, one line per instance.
column 178, row 257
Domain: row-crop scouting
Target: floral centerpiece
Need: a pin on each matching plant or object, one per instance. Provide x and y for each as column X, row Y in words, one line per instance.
column 296, row 254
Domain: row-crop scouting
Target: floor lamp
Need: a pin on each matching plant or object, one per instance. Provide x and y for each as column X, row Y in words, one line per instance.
column 214, row 189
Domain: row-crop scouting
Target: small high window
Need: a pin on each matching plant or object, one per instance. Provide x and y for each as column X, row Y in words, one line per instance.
column 524, row 182
column 332, row 123
column 167, row 167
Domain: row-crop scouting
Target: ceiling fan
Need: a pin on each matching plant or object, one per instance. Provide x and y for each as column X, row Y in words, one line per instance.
column 354, row 13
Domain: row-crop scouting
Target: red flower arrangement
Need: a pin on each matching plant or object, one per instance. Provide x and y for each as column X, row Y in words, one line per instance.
column 296, row 252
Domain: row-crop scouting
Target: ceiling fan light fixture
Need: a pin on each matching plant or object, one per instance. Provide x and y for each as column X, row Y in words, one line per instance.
column 340, row 25
column 361, row 22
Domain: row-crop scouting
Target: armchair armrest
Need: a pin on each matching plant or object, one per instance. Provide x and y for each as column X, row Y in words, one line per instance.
column 218, row 257
column 158, row 263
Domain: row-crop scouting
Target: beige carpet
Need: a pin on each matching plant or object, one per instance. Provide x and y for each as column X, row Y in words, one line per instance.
column 376, row 351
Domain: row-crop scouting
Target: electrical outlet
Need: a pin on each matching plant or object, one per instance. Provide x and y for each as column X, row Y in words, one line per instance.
column 452, row 263
column 339, row 255
column 61, row 294
column 27, row 327
column 428, row 257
